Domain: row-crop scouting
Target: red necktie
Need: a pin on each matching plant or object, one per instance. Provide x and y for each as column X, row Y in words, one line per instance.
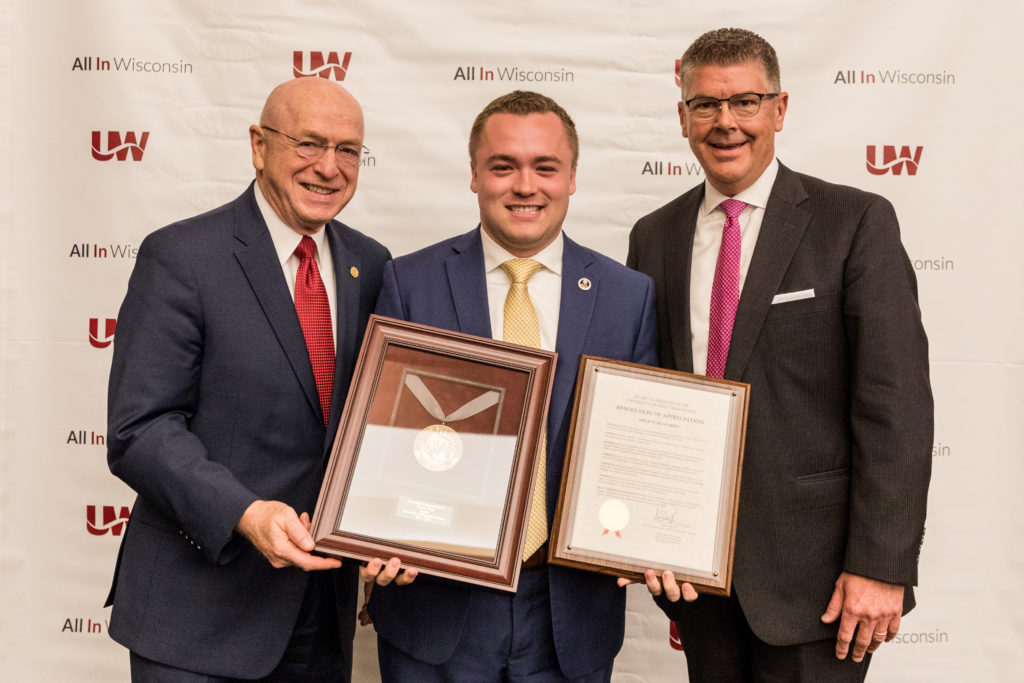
column 315, row 318
column 725, row 290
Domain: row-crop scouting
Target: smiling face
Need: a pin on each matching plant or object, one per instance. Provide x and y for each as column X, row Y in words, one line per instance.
column 305, row 193
column 523, row 175
column 732, row 151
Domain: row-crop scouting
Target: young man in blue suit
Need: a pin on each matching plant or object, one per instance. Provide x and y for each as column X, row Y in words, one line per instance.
column 825, row 327
column 234, row 349
column 561, row 624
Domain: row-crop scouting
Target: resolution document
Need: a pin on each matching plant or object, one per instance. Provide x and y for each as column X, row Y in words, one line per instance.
column 650, row 485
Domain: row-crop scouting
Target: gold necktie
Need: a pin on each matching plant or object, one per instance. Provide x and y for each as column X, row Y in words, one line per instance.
column 521, row 327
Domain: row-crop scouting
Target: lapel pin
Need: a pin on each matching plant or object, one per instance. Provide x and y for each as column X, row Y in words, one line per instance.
column 584, row 283
column 353, row 271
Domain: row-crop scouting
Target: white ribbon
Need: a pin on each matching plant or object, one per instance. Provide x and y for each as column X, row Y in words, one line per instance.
column 430, row 404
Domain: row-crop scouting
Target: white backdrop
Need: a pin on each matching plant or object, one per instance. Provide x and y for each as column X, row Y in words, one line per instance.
column 188, row 77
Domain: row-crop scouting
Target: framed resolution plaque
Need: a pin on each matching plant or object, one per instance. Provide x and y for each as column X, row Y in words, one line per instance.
column 652, row 474
column 434, row 457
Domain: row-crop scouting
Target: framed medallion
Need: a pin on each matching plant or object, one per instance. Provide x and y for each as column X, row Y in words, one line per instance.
column 434, row 458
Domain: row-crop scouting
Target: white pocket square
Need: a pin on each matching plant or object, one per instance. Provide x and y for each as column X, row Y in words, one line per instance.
column 793, row 296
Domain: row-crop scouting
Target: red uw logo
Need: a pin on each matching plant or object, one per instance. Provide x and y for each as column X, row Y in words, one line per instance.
column 117, row 146
column 679, row 82
column 324, row 67
column 101, row 342
column 114, row 520
column 891, row 162
column 673, row 637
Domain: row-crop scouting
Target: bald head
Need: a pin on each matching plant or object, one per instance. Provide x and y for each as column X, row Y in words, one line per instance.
column 306, row 151
column 301, row 96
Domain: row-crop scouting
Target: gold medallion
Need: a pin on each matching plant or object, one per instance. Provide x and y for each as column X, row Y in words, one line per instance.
column 437, row 448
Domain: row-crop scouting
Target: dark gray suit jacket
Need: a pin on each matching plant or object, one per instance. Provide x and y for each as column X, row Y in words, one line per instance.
column 839, row 435
column 212, row 405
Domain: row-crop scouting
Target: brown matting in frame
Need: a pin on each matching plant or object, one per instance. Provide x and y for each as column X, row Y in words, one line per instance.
column 434, row 457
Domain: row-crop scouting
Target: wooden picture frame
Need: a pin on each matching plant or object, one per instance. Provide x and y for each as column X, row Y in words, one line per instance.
column 652, row 474
column 434, row 458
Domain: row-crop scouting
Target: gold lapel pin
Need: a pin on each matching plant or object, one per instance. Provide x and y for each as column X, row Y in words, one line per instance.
column 353, row 271
column 584, row 283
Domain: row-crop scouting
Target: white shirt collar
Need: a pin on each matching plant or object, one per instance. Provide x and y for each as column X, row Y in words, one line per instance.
column 494, row 254
column 285, row 239
column 756, row 195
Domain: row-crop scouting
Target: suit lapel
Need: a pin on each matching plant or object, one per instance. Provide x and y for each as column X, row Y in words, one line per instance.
column 348, row 284
column 468, row 283
column 678, row 251
column 258, row 259
column 782, row 228
column 575, row 311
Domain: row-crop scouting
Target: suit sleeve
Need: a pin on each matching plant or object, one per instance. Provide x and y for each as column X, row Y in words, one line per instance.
column 891, row 409
column 631, row 255
column 645, row 350
column 153, row 394
column 389, row 301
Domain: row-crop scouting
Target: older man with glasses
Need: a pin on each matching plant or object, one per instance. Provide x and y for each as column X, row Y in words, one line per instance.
column 802, row 289
column 235, row 345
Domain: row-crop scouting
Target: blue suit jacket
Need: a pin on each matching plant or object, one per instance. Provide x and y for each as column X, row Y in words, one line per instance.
column 445, row 286
column 213, row 405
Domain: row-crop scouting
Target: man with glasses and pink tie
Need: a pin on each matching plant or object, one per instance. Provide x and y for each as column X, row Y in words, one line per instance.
column 802, row 289
column 234, row 350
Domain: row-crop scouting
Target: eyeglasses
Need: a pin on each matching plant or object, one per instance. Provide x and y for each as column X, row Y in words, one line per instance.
column 311, row 149
column 743, row 105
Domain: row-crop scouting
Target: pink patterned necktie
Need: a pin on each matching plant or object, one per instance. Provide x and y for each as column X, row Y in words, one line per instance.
column 725, row 291
column 314, row 313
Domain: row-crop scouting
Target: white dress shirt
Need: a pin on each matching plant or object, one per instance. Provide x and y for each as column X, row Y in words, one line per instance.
column 545, row 287
column 707, row 239
column 286, row 240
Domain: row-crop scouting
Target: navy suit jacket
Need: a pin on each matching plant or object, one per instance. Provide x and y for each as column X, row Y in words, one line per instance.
column 445, row 286
column 839, row 431
column 213, row 405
